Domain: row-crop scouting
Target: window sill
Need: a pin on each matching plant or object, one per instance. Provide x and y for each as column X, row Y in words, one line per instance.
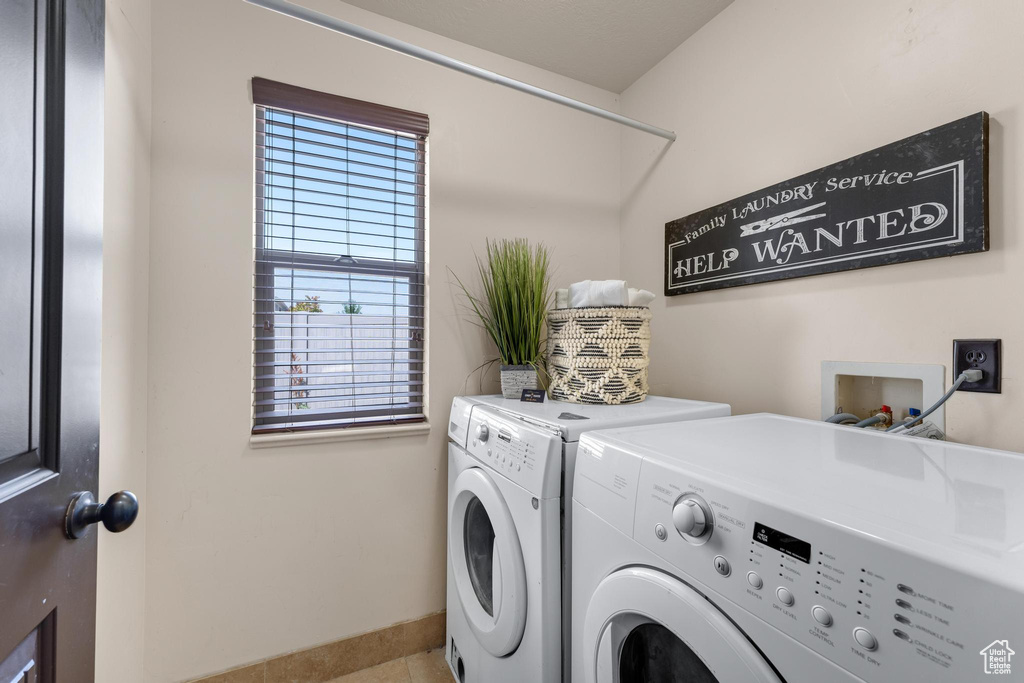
column 332, row 435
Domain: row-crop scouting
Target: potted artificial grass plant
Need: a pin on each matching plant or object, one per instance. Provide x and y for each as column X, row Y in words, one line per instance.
column 513, row 308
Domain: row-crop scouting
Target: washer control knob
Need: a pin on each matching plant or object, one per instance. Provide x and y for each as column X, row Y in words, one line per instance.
column 865, row 639
column 754, row 580
column 785, row 596
column 482, row 432
column 691, row 517
column 821, row 615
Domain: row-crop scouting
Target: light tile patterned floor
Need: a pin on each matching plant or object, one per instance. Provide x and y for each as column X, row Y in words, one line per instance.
column 426, row 667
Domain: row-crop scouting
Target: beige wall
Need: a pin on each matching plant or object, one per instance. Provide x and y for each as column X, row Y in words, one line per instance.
column 770, row 90
column 121, row 581
column 251, row 553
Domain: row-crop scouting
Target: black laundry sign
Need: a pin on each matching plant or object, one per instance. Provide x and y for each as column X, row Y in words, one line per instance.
column 922, row 197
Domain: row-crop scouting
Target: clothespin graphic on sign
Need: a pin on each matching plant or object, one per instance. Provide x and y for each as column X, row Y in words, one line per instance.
column 780, row 220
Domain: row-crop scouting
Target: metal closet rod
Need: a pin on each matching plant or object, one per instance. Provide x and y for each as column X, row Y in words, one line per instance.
column 335, row 24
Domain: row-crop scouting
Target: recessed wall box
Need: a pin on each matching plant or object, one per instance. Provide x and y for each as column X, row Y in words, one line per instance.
column 862, row 388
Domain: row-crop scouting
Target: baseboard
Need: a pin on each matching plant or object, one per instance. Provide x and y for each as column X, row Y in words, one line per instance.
column 340, row 657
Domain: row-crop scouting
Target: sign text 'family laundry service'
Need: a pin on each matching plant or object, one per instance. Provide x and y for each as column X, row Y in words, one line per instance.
column 919, row 198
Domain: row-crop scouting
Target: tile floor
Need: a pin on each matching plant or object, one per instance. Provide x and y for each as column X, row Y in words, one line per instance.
column 425, row 667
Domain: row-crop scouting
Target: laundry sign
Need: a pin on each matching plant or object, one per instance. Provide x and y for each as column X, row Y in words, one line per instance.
column 922, row 197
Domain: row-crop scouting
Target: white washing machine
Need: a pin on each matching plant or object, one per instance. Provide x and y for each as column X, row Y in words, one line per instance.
column 765, row 548
column 508, row 462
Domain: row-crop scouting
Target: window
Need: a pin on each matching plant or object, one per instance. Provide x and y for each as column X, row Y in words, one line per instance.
column 338, row 303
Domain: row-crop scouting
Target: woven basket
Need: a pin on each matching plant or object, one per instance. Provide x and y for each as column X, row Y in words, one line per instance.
column 599, row 355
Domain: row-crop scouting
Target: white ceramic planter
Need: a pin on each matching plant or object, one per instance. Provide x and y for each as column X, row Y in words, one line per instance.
column 515, row 378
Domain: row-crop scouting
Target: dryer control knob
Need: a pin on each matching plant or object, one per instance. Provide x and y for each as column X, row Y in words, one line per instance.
column 482, row 432
column 691, row 517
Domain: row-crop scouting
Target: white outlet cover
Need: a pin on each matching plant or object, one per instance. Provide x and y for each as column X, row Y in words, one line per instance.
column 932, row 378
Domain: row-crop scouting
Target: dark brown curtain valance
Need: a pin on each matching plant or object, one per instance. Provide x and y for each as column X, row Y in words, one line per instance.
column 284, row 96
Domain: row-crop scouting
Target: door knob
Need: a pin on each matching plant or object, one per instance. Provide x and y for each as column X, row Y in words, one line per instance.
column 117, row 514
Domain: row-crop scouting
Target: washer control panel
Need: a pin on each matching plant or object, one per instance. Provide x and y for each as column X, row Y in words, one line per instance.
column 526, row 454
column 874, row 609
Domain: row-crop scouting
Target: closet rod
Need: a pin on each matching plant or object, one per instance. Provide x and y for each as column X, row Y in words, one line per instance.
column 335, row 24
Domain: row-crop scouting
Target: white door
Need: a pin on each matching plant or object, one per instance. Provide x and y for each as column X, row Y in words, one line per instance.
column 487, row 562
column 643, row 625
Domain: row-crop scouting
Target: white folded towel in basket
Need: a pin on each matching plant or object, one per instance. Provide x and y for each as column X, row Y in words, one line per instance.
column 598, row 293
column 640, row 297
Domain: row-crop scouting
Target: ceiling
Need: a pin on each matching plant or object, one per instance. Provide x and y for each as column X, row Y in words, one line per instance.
column 607, row 43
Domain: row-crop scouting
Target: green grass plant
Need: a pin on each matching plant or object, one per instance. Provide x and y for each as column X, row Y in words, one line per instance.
column 513, row 305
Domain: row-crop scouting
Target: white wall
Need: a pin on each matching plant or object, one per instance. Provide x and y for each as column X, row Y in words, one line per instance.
column 122, row 560
column 252, row 553
column 769, row 90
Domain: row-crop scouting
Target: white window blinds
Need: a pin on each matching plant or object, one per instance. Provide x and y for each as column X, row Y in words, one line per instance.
column 338, row 334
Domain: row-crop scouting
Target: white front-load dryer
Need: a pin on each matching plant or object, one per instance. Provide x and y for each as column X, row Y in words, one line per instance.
column 765, row 549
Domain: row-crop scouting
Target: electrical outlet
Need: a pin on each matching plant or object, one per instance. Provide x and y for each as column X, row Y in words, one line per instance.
column 983, row 354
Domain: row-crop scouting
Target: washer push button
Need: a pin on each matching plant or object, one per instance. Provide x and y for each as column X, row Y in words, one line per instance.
column 754, row 580
column 785, row 596
column 722, row 566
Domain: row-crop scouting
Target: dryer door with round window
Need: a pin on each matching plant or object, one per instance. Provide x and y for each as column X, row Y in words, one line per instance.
column 487, row 562
column 643, row 625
